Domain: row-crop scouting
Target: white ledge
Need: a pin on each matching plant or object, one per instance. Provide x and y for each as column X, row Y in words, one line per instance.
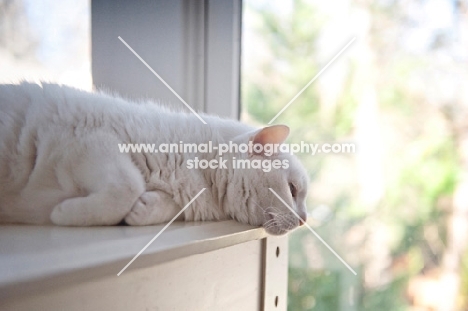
column 34, row 258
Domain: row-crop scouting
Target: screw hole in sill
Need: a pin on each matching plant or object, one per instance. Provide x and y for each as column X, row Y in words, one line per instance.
column 277, row 251
column 276, row 301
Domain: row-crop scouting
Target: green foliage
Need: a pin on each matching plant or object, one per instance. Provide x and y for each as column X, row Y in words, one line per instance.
column 313, row 290
column 389, row 297
column 428, row 173
column 291, row 41
column 432, row 169
column 344, row 116
column 421, row 174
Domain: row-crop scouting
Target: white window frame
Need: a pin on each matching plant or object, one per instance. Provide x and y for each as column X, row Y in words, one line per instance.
column 193, row 45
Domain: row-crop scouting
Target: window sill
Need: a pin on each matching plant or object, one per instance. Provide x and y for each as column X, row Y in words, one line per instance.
column 38, row 258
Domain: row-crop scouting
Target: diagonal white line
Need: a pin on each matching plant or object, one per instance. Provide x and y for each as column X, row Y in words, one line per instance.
column 313, row 79
column 162, row 80
column 160, row 232
column 315, row 233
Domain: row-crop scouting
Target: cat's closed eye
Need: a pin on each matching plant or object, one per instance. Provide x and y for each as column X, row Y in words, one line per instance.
column 293, row 190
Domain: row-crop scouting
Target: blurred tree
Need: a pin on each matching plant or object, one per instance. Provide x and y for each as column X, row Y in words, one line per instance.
column 403, row 98
column 287, row 43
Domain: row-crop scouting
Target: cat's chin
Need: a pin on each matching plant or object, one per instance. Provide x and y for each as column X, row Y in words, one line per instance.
column 279, row 223
column 278, row 230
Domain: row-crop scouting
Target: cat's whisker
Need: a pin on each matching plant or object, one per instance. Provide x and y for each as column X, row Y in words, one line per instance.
column 269, row 222
column 274, row 224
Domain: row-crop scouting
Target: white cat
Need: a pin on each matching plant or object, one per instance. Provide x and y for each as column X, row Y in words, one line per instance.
column 60, row 163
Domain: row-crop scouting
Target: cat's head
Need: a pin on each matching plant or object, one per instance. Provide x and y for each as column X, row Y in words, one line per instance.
column 250, row 190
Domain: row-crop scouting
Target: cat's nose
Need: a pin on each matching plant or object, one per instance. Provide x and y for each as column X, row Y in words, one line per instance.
column 303, row 217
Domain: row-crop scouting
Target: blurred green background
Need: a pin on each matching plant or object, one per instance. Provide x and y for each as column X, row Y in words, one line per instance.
column 397, row 209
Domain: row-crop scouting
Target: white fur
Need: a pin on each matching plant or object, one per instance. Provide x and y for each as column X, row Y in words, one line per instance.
column 60, row 163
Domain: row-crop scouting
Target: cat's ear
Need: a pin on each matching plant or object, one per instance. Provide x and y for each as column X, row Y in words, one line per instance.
column 273, row 135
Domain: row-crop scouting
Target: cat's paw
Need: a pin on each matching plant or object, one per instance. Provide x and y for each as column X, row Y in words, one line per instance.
column 65, row 214
column 140, row 211
column 152, row 207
